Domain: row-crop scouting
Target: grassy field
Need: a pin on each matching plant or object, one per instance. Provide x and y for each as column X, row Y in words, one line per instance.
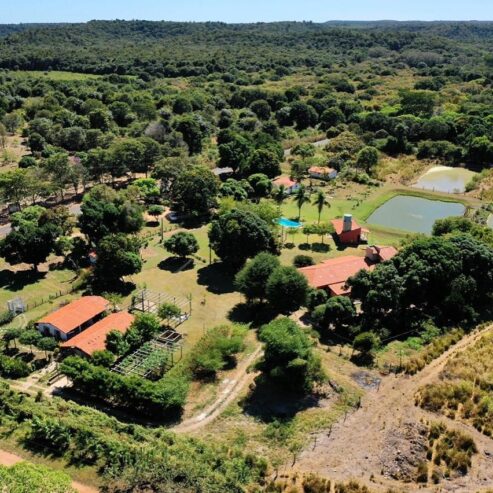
column 54, row 75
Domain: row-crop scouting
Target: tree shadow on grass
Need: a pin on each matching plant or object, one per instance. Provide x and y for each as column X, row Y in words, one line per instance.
column 256, row 314
column 176, row 264
column 268, row 402
column 217, row 278
column 16, row 281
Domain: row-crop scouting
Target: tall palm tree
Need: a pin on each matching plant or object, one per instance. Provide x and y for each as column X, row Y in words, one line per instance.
column 301, row 198
column 280, row 195
column 320, row 201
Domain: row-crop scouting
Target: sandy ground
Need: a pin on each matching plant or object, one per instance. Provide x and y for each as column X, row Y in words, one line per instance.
column 229, row 390
column 362, row 445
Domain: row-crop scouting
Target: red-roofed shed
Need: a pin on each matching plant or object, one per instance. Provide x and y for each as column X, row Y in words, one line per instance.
column 94, row 338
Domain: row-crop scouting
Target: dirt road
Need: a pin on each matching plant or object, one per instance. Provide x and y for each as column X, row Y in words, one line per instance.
column 8, row 459
column 231, row 388
column 359, row 446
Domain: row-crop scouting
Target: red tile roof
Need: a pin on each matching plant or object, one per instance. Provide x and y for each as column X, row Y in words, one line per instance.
column 76, row 313
column 334, row 273
column 339, row 225
column 386, row 253
column 94, row 338
column 284, row 180
column 321, row 170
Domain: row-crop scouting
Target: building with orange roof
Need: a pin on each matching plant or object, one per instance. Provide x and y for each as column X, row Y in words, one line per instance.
column 332, row 275
column 290, row 186
column 73, row 318
column 94, row 338
column 348, row 231
column 322, row 172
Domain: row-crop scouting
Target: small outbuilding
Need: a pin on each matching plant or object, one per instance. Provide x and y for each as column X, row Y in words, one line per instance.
column 322, row 173
column 349, row 232
column 290, row 186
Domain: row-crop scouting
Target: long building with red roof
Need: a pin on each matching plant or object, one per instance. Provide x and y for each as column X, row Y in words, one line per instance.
column 333, row 274
column 94, row 338
column 73, row 318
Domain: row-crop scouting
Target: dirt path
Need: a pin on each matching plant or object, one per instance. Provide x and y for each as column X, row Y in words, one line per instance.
column 232, row 387
column 358, row 447
column 8, row 459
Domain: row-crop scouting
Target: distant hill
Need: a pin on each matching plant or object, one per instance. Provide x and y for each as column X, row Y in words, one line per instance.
column 163, row 48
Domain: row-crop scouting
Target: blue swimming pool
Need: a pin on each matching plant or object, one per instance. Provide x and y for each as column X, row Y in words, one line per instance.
column 287, row 223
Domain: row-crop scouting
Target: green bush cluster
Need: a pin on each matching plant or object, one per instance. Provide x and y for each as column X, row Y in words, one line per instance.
column 160, row 399
column 215, row 350
column 129, row 457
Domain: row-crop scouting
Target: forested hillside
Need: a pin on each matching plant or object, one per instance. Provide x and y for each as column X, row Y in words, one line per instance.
column 184, row 49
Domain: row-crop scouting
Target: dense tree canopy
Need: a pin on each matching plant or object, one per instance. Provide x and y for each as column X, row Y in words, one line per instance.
column 239, row 235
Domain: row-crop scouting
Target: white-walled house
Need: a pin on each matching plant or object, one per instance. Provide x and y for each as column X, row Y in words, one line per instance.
column 290, row 186
column 73, row 318
column 322, row 173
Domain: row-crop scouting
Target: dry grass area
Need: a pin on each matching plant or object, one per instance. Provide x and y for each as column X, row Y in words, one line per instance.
column 465, row 389
column 277, row 426
column 12, row 152
column 401, row 170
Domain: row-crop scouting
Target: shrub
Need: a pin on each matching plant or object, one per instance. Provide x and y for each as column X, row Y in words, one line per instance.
column 215, row 350
column 13, row 368
column 303, row 261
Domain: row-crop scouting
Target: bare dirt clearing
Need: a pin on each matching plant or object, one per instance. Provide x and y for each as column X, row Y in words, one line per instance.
column 381, row 438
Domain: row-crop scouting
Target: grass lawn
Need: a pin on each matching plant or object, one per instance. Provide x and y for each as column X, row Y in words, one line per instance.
column 210, row 286
column 32, row 287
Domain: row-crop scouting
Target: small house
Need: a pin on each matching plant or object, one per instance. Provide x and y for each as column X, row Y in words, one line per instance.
column 290, row 186
column 73, row 318
column 333, row 274
column 348, row 231
column 223, row 173
column 322, row 173
column 94, row 338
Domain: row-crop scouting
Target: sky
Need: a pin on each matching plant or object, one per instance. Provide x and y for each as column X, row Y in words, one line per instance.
column 243, row 10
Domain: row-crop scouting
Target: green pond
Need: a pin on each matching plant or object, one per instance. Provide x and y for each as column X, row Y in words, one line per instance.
column 445, row 179
column 414, row 213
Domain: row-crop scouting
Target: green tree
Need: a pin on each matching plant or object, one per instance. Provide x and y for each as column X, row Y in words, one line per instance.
column 419, row 103
column 118, row 255
column 194, row 132
column 104, row 211
column 367, row 158
column 301, row 197
column 15, row 185
column 11, row 335
column 261, row 184
column 287, row 289
column 366, row 343
column 195, row 191
column 238, row 235
column 47, row 344
column 106, row 359
column 30, row 337
column 288, row 359
column 182, row 244
column 303, row 115
column 168, row 311
column 264, row 161
column 30, row 244
column 251, row 281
